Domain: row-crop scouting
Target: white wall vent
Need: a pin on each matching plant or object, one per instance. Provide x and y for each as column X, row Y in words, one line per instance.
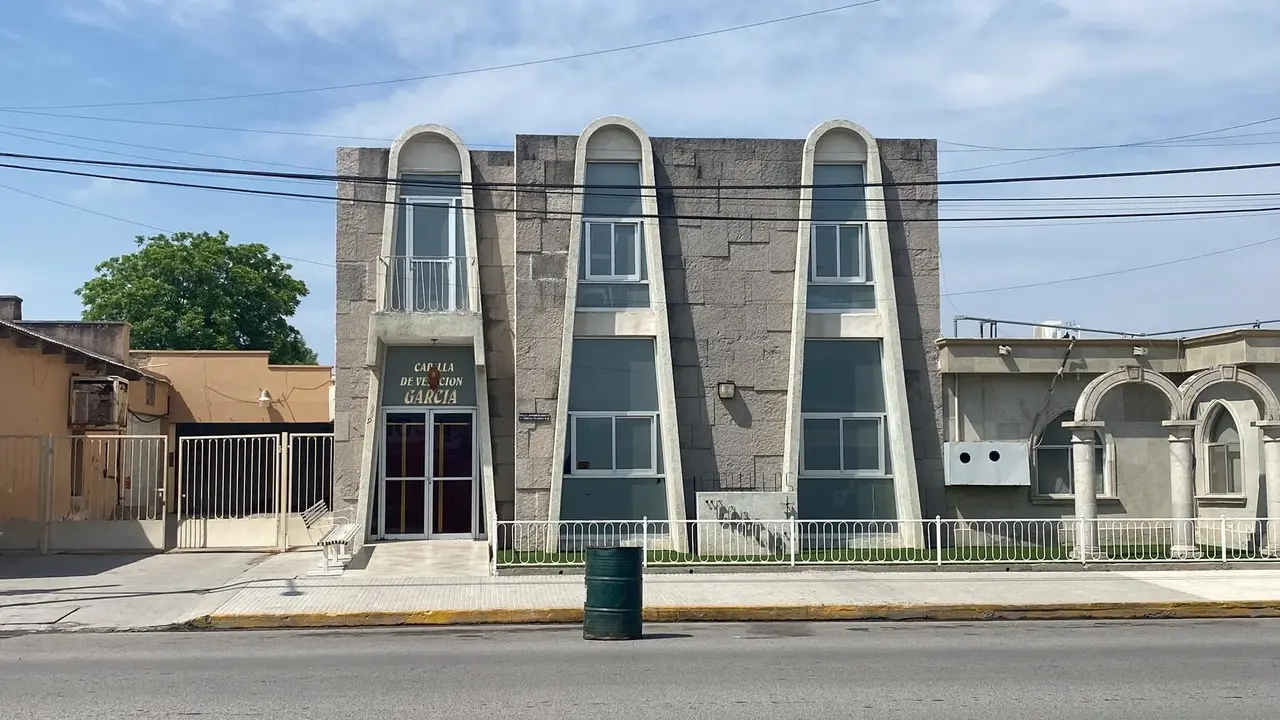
column 99, row 403
column 998, row 464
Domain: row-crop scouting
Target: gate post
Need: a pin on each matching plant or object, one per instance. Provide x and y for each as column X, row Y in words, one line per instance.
column 284, row 473
column 45, row 487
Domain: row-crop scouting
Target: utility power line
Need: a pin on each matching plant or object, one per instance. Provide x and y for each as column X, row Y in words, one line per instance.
column 642, row 216
column 455, row 73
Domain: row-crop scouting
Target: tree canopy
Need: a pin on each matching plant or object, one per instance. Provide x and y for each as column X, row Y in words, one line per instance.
column 198, row 291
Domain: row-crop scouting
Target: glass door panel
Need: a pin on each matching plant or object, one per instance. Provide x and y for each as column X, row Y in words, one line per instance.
column 453, row 473
column 404, row 472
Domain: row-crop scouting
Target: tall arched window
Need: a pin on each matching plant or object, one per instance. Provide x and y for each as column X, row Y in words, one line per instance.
column 1222, row 448
column 1054, row 472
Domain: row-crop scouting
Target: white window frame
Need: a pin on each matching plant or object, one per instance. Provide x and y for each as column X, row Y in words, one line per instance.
column 863, row 251
column 1105, row 489
column 1209, row 447
column 638, row 275
column 880, row 471
column 413, row 262
column 649, row 472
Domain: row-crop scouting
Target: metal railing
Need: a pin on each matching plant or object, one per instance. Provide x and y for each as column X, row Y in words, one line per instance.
column 109, row 477
column 741, row 482
column 545, row 543
column 428, row 284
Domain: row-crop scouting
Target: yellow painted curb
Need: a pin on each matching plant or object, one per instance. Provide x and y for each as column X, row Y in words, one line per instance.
column 756, row 613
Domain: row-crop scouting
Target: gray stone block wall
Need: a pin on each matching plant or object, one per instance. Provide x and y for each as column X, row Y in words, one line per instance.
column 359, row 242
column 496, row 248
column 541, row 254
column 913, row 242
column 729, row 293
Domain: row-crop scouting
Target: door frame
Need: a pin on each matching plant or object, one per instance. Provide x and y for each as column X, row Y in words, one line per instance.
column 428, row 412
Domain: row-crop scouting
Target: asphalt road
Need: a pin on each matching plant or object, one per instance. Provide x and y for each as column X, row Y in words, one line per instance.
column 1165, row 670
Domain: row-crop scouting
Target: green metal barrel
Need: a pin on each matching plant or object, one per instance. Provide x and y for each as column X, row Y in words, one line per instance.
column 615, row 596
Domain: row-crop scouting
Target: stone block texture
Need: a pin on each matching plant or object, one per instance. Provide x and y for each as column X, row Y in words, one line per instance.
column 913, row 242
column 729, row 300
column 359, row 242
column 541, row 245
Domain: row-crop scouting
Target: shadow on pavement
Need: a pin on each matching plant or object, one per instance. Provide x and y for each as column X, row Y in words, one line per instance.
column 17, row 567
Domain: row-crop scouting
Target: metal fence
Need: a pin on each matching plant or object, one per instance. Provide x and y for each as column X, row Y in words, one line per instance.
column 249, row 491
column 427, row 284
column 740, row 482
column 542, row 543
column 83, row 492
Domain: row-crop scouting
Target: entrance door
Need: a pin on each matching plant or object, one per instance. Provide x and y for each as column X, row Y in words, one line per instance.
column 428, row 487
column 404, row 475
column 453, row 452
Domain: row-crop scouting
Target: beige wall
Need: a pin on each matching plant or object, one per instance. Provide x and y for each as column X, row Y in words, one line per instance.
column 211, row 386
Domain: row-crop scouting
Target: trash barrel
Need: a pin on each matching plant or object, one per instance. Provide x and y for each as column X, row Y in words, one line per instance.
column 614, row 577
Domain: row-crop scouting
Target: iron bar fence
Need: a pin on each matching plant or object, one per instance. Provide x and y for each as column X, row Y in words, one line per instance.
column 793, row 542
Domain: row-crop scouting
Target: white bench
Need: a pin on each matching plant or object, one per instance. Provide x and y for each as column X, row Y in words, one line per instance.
column 335, row 544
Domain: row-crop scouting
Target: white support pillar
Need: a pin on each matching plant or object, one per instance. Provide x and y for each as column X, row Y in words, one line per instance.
column 1182, row 487
column 1271, row 464
column 1085, row 484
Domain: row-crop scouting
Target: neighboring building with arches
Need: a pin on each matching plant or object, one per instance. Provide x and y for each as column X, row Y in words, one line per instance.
column 1158, row 428
column 628, row 327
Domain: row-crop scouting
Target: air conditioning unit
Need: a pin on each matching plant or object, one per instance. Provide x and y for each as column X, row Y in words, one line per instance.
column 1052, row 330
column 99, row 403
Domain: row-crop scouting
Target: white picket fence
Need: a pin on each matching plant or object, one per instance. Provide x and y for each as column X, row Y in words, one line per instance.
column 542, row 543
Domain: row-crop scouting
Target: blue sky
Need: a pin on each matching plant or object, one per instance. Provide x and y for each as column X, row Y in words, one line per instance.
column 999, row 73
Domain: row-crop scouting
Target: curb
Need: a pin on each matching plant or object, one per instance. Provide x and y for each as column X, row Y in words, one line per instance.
column 1197, row 610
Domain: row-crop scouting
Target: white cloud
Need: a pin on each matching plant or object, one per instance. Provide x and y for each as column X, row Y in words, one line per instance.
column 996, row 72
column 102, row 192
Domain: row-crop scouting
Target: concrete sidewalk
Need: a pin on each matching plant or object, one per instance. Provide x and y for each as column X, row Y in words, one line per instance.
column 357, row 599
column 255, row 590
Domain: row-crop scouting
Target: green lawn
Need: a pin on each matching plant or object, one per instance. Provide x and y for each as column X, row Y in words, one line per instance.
column 854, row 556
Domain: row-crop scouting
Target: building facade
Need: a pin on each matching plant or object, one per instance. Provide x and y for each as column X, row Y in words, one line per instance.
column 609, row 327
column 1117, row 429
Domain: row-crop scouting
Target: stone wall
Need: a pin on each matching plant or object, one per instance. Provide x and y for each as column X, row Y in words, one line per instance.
column 359, row 242
column 541, row 255
column 729, row 292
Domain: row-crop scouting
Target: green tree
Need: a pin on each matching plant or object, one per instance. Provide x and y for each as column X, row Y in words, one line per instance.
column 197, row 291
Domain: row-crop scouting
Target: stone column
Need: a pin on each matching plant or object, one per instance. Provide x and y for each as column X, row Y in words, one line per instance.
column 1182, row 487
column 1271, row 464
column 1085, row 484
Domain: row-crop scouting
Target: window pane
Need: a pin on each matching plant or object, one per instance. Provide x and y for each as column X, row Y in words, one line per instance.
column 593, row 443
column 612, row 202
column 845, row 500
column 844, row 296
column 618, row 295
column 430, row 230
column 826, row 262
column 1054, row 433
column 634, row 437
column 1225, row 469
column 842, row 376
column 838, row 204
column 821, row 444
column 431, row 185
column 861, row 439
column 613, row 374
column 599, row 249
column 850, row 257
column 1053, row 471
column 1224, row 430
column 624, row 250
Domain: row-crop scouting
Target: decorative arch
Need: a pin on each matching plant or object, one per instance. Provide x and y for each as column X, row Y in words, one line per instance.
column 431, row 148
column 620, row 139
column 1194, row 386
column 1087, row 405
column 1209, row 423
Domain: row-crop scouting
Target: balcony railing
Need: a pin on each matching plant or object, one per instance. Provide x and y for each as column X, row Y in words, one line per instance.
column 420, row 284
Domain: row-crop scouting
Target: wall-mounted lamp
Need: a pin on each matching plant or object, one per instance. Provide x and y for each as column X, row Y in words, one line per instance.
column 726, row 390
column 264, row 399
column 1139, row 351
column 1004, row 350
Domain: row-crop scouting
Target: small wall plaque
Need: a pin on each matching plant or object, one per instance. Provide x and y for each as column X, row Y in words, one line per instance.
column 535, row 417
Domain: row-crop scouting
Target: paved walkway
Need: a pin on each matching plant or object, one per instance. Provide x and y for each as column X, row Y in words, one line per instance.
column 90, row 592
